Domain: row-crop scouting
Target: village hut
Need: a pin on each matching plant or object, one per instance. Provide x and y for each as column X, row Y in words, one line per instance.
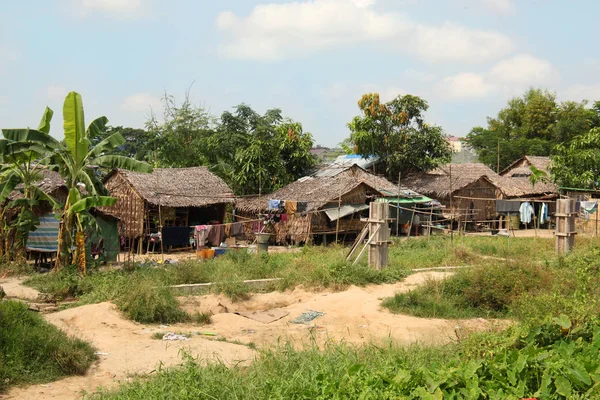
column 331, row 194
column 168, row 199
column 50, row 183
column 460, row 186
column 475, row 186
column 517, row 176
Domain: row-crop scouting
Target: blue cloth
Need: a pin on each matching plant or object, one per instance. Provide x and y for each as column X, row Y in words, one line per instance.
column 45, row 238
column 526, row 212
column 274, row 204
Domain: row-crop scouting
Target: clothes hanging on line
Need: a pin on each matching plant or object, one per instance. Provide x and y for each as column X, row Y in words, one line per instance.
column 274, row 204
column 543, row 213
column 291, row 206
column 200, row 235
column 301, row 206
column 589, row 206
column 176, row 235
column 526, row 212
column 216, row 235
column 237, row 229
column 507, row 206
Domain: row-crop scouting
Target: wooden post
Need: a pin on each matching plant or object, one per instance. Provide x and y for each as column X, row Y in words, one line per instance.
column 398, row 207
column 337, row 224
column 379, row 232
column 597, row 211
column 565, row 225
column 451, row 208
column 412, row 217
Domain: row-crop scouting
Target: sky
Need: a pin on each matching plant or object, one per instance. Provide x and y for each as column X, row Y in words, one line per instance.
column 311, row 58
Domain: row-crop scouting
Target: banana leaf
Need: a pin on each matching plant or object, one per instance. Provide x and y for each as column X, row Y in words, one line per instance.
column 91, row 202
column 45, row 122
column 74, row 128
column 122, row 162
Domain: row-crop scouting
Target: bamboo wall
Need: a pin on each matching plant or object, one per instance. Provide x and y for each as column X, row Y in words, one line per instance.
column 482, row 189
column 129, row 209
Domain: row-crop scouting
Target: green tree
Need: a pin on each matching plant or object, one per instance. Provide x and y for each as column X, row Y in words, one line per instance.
column 577, row 164
column 139, row 143
column 397, row 133
column 530, row 125
column 182, row 139
column 20, row 166
column 74, row 159
column 260, row 153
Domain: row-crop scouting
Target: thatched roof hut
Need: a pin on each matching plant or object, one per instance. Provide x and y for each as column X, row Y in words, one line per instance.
column 324, row 191
column 521, row 167
column 178, row 196
column 477, row 183
column 50, row 182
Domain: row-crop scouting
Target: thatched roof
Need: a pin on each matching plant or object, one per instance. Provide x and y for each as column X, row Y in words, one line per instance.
column 48, row 183
column 436, row 183
column 521, row 167
column 322, row 188
column 178, row 187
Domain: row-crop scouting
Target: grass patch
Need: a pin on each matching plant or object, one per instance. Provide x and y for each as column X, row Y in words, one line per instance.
column 146, row 303
column 518, row 363
column 33, row 351
column 15, row 268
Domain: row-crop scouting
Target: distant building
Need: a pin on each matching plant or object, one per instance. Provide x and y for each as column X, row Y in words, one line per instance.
column 325, row 154
column 456, row 143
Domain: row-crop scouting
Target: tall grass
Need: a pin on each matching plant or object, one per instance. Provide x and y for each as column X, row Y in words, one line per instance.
column 33, row 351
column 515, row 364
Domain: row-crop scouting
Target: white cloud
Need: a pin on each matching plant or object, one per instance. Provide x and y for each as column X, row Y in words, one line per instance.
column 278, row 31
column 467, row 85
column 523, row 69
column 510, row 76
column 56, row 93
column 115, row 7
column 140, row 102
column 352, row 92
column 506, row 7
column 580, row 92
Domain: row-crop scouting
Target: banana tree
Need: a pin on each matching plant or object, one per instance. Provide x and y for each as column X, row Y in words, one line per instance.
column 20, row 165
column 74, row 159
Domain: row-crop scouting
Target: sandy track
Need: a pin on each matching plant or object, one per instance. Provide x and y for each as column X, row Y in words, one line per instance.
column 352, row 316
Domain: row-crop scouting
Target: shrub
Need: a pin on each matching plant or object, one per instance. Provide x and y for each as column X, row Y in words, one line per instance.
column 32, row 350
column 145, row 303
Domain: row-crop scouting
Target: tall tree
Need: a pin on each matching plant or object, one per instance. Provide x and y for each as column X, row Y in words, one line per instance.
column 139, row 143
column 577, row 164
column 182, row 139
column 397, row 133
column 259, row 153
column 530, row 125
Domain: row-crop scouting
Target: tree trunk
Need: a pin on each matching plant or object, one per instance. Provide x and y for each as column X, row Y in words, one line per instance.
column 80, row 246
column 64, row 239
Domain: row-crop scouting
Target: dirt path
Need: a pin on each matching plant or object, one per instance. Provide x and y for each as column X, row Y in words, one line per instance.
column 14, row 288
column 127, row 350
column 353, row 316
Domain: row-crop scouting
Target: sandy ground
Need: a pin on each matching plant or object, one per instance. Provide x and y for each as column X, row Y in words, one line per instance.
column 352, row 316
column 14, row 288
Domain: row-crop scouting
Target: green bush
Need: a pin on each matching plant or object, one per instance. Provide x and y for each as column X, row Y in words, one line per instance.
column 481, row 291
column 32, row 350
column 145, row 303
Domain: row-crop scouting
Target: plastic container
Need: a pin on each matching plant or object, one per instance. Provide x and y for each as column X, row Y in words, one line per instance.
column 262, row 241
column 219, row 251
column 209, row 253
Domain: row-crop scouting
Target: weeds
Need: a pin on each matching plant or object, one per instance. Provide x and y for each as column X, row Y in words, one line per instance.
column 145, row 303
column 32, row 350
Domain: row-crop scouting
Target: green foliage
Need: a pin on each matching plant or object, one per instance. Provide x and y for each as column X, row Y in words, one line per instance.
column 529, row 125
column 139, row 144
column 538, row 362
column 145, row 303
column 397, row 133
column 33, row 351
column 577, row 164
column 253, row 153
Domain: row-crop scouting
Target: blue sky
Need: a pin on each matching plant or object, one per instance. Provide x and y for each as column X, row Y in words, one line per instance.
column 313, row 59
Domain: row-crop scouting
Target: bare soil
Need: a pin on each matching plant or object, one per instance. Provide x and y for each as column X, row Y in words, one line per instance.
column 128, row 349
